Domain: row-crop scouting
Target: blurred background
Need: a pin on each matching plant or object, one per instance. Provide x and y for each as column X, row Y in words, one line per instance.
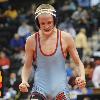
column 81, row 18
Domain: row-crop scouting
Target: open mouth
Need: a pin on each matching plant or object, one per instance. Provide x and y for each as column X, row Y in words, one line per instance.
column 47, row 30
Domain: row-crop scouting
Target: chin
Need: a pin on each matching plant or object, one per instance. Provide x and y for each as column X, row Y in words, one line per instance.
column 49, row 32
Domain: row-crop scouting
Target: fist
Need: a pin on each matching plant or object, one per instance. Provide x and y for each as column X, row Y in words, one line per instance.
column 23, row 87
column 80, row 83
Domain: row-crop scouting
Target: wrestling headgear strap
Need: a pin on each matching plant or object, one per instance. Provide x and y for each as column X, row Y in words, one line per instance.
column 45, row 8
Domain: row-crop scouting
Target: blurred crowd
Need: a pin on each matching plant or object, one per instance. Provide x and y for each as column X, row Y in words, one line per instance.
column 81, row 18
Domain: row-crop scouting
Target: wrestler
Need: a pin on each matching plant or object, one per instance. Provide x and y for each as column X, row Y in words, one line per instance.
column 49, row 46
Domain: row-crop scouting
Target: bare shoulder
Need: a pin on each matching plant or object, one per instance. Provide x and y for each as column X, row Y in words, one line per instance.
column 68, row 40
column 66, row 36
column 31, row 38
column 31, row 41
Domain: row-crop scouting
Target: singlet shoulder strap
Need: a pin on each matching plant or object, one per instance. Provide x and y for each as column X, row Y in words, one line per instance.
column 60, row 38
column 36, row 39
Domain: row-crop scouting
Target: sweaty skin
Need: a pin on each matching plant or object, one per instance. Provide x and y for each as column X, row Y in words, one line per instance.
column 48, row 40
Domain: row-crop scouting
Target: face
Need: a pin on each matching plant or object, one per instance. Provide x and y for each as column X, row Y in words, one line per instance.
column 46, row 23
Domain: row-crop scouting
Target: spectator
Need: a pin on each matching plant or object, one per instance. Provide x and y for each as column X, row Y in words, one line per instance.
column 17, row 43
column 68, row 5
column 24, row 30
column 95, row 41
column 96, row 77
column 67, row 26
column 4, row 61
column 89, row 68
column 80, row 13
column 12, row 87
column 4, row 65
column 84, row 3
column 11, row 15
column 82, row 43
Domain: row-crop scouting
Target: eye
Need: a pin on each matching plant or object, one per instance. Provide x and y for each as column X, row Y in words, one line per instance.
column 42, row 23
column 49, row 22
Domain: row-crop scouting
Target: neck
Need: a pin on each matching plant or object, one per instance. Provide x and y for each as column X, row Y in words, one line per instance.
column 48, row 34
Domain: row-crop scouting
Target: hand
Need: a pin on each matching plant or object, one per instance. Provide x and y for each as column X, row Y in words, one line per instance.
column 24, row 87
column 80, row 83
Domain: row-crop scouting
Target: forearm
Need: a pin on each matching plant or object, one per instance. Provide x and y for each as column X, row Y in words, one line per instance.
column 81, row 70
column 26, row 72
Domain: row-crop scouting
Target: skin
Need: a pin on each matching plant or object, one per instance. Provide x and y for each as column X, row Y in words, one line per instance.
column 48, row 39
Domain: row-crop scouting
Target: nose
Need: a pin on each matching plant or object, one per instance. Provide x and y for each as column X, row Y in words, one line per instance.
column 46, row 26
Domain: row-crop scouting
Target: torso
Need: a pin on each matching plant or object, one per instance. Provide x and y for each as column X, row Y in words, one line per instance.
column 45, row 72
column 48, row 45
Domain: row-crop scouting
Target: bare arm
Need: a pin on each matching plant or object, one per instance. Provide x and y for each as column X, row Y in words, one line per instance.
column 27, row 68
column 74, row 54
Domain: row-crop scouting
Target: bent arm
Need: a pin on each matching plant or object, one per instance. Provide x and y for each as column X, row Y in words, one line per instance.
column 27, row 68
column 74, row 54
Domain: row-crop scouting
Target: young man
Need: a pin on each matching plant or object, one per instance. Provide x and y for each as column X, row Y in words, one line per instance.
column 49, row 46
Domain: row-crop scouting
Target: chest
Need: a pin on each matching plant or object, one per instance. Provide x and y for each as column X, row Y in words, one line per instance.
column 50, row 45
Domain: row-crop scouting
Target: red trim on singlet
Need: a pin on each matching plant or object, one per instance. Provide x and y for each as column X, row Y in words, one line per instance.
column 61, row 46
column 35, row 52
column 61, row 96
column 37, row 94
column 55, row 48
